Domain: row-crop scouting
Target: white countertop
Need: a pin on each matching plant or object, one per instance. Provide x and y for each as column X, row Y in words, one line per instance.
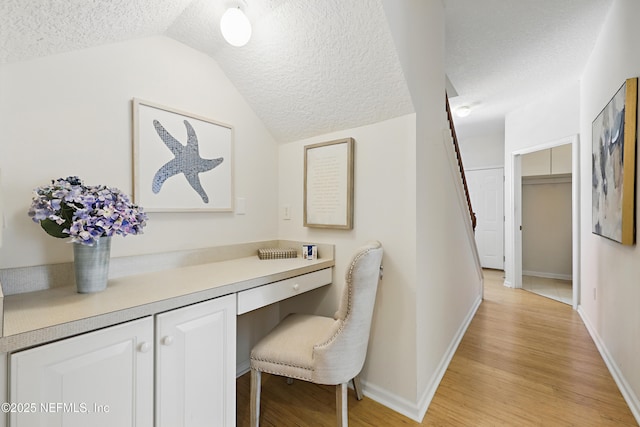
column 37, row 317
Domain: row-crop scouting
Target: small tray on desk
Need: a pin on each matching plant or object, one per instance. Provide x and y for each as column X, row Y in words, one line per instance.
column 277, row 253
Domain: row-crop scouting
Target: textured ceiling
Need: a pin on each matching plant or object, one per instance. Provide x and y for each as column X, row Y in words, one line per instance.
column 30, row 29
column 501, row 54
column 311, row 66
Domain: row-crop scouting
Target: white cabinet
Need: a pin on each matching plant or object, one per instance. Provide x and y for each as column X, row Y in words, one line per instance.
column 261, row 296
column 106, row 378
column 536, row 163
column 196, row 360
column 561, row 159
column 99, row 379
column 551, row 161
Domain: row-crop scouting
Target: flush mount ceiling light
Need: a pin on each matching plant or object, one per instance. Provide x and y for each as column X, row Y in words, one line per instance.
column 463, row 111
column 235, row 27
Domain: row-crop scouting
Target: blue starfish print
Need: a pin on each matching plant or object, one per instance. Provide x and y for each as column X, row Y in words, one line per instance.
column 187, row 160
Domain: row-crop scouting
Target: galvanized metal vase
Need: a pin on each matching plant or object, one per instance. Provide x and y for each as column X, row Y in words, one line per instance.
column 91, row 265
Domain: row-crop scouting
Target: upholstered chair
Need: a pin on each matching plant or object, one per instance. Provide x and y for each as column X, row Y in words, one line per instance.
column 324, row 350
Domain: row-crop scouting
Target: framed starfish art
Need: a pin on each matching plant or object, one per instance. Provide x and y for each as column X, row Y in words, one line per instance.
column 181, row 161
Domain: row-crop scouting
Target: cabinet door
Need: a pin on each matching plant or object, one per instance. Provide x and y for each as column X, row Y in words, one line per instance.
column 195, row 365
column 561, row 159
column 99, row 379
column 536, row 163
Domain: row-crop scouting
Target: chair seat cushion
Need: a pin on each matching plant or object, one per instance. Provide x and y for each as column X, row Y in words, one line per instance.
column 288, row 349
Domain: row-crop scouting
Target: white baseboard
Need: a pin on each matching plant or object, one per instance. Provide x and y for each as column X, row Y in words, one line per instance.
column 508, row 284
column 627, row 392
column 390, row 400
column 547, row 275
column 430, row 390
column 242, row 367
column 417, row 410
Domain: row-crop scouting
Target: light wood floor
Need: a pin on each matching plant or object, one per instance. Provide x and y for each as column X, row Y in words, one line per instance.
column 525, row 360
column 557, row 289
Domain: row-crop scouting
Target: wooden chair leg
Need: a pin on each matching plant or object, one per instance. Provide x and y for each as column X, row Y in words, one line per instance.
column 256, row 385
column 357, row 387
column 341, row 405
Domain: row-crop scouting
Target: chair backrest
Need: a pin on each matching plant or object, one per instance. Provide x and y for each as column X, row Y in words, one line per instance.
column 341, row 358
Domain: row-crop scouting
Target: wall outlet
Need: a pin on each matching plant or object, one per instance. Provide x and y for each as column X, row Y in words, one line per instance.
column 594, row 294
column 286, row 212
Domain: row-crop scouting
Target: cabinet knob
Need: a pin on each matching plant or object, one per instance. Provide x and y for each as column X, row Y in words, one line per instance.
column 144, row 347
column 296, row 287
column 168, row 340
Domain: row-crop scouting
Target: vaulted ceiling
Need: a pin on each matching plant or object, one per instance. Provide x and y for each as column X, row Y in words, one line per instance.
column 313, row 66
column 310, row 68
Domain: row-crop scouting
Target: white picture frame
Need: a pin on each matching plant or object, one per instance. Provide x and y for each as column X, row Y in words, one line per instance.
column 182, row 162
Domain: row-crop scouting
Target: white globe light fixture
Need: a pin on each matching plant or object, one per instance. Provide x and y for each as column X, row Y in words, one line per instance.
column 463, row 111
column 235, row 27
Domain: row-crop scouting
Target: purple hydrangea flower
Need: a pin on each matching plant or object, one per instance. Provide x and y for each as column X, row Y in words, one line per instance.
column 69, row 208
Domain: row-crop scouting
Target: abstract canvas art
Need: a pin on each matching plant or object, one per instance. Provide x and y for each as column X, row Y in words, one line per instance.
column 613, row 166
column 182, row 162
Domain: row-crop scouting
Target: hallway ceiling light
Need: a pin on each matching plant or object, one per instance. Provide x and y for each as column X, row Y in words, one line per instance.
column 235, row 27
column 463, row 111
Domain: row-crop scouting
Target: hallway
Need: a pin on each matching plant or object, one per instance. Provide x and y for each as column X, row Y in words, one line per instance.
column 525, row 360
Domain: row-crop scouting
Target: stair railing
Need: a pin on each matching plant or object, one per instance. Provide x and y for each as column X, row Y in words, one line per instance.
column 457, row 150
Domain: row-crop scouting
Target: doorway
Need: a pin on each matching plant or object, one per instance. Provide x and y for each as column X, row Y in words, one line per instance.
column 548, row 190
column 546, row 223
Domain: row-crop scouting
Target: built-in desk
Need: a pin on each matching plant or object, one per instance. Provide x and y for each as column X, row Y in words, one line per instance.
column 37, row 317
column 138, row 321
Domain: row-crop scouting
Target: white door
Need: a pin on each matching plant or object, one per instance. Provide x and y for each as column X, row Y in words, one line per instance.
column 99, row 379
column 196, row 365
column 486, row 188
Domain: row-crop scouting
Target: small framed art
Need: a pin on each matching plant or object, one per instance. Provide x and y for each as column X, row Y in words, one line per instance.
column 328, row 184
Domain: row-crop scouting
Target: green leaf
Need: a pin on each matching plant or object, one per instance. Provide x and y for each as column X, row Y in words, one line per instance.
column 52, row 228
column 66, row 213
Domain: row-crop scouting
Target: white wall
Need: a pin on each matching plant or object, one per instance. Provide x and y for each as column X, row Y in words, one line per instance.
column 448, row 284
column 411, row 310
column 404, row 197
column 608, row 269
column 70, row 114
column 384, row 209
column 484, row 149
column 543, row 121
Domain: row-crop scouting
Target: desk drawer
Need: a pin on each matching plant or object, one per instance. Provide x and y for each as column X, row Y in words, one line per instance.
column 261, row 296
